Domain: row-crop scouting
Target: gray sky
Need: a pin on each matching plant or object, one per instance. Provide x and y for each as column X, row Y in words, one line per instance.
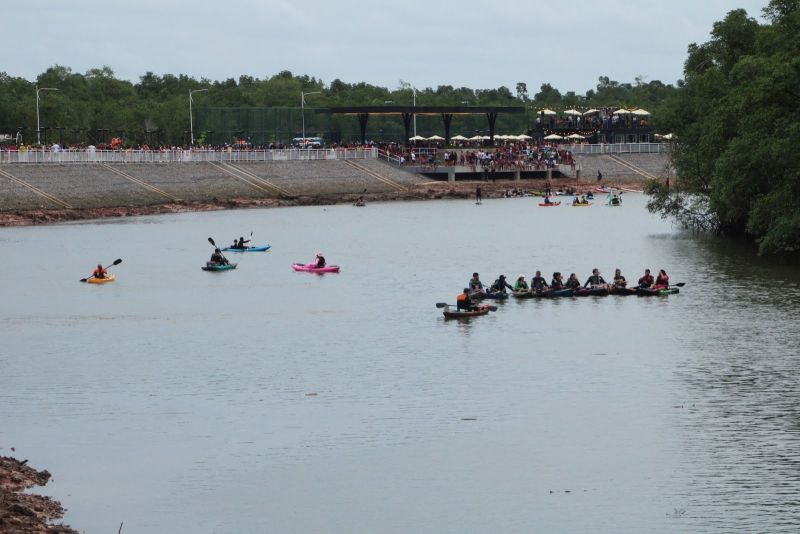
column 478, row 44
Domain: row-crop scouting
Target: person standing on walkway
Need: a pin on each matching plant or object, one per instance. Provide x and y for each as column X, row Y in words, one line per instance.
column 478, row 196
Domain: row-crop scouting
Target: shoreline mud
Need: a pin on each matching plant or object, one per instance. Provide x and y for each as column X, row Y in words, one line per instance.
column 427, row 191
column 27, row 513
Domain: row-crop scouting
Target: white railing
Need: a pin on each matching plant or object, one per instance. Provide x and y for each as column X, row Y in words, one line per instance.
column 181, row 156
column 617, row 148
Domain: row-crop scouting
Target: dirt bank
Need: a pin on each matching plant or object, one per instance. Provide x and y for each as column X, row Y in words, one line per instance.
column 23, row 513
column 427, row 191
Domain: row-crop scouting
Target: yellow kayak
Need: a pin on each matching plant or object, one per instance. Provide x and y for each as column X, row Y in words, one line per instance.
column 108, row 278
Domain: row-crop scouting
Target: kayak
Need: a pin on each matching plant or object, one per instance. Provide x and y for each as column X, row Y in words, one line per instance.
column 582, row 205
column 648, row 292
column 108, row 278
column 248, row 249
column 629, row 190
column 523, row 294
column 545, row 205
column 623, row 291
column 591, row 292
column 450, row 313
column 211, row 266
column 602, row 190
column 309, row 268
column 556, row 293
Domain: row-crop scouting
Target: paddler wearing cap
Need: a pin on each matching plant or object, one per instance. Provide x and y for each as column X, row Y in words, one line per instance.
column 500, row 284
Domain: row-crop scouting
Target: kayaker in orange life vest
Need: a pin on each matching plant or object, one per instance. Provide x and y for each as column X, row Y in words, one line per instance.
column 99, row 272
column 463, row 302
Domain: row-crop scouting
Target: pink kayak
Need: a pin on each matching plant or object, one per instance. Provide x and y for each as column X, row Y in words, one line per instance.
column 309, row 268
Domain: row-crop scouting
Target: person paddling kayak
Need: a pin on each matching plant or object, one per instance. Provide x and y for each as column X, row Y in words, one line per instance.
column 475, row 285
column 218, row 258
column 557, row 282
column 319, row 261
column 99, row 272
column 538, row 283
column 501, row 285
column 240, row 243
column 619, row 280
column 521, row 284
column 662, row 280
column 595, row 280
column 463, row 301
column 573, row 282
column 647, row 280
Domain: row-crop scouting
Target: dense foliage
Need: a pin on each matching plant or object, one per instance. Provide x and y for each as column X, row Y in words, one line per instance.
column 92, row 107
column 735, row 120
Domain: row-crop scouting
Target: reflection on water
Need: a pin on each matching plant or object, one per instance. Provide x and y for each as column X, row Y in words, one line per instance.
column 268, row 400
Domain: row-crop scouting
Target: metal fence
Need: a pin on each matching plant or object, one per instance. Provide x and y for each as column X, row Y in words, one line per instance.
column 65, row 157
column 618, row 148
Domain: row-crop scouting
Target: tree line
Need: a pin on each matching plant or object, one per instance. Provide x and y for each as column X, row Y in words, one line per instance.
column 735, row 119
column 94, row 106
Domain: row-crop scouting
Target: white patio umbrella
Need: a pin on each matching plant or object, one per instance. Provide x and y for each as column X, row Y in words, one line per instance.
column 640, row 111
column 553, row 137
column 500, row 136
column 436, row 138
column 668, row 136
column 622, row 111
column 524, row 137
column 459, row 138
column 575, row 136
column 485, row 137
column 476, row 138
column 591, row 111
column 417, row 138
column 547, row 112
column 572, row 112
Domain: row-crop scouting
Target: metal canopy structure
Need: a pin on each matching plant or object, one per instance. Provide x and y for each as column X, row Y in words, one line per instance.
column 408, row 113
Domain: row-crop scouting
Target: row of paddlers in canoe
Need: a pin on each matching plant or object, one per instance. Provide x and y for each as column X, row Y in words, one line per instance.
column 468, row 306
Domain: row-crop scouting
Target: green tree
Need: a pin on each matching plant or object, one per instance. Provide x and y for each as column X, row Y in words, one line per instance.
column 738, row 169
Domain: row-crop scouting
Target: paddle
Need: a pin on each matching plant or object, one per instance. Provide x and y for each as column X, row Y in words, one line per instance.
column 116, row 262
column 220, row 252
column 444, row 305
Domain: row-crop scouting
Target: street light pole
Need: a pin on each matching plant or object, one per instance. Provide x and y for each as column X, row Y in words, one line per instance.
column 303, row 109
column 414, row 89
column 38, row 128
column 191, row 121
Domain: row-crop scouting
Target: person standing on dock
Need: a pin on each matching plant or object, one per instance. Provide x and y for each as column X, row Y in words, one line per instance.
column 478, row 196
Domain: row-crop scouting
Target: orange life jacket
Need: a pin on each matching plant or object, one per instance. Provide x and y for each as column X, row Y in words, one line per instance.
column 462, row 297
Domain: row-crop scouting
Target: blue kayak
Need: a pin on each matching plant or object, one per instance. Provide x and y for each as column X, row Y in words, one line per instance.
column 248, row 249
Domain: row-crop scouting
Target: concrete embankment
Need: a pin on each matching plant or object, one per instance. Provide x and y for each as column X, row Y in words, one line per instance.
column 34, row 194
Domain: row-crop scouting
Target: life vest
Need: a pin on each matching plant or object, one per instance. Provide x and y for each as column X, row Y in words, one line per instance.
column 462, row 297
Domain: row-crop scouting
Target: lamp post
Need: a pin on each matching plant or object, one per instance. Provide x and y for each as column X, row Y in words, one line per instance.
column 38, row 128
column 303, row 110
column 191, row 121
column 414, row 91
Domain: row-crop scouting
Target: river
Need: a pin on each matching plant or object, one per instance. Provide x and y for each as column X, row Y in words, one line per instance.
column 264, row 400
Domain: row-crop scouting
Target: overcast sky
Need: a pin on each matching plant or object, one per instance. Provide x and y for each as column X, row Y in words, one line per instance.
column 478, row 44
